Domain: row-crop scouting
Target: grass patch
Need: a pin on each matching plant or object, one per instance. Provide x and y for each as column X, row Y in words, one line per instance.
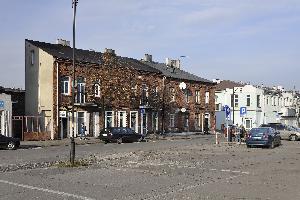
column 77, row 163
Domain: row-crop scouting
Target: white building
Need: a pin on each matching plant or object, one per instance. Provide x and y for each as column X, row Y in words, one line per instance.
column 252, row 106
column 5, row 114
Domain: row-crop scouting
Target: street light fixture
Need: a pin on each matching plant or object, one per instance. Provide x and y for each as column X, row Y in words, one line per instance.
column 72, row 145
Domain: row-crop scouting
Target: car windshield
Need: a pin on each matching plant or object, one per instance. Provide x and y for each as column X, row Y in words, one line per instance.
column 258, row 131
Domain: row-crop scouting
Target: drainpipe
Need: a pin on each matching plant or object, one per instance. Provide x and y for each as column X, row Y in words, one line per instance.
column 57, row 118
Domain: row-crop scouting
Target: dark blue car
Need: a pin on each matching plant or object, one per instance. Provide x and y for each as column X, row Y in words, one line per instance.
column 120, row 135
column 263, row 136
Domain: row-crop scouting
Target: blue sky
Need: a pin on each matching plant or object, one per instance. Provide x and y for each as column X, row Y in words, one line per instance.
column 254, row 41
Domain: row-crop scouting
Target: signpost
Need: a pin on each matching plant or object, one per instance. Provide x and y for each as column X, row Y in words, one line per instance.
column 227, row 114
column 243, row 112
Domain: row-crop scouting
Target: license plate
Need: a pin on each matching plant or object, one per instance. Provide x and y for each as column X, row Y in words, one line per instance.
column 257, row 138
column 104, row 134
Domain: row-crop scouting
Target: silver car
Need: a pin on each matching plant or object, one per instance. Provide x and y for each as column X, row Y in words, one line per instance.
column 286, row 132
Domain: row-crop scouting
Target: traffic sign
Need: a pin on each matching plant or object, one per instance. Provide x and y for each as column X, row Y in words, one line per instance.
column 243, row 111
column 1, row 104
column 227, row 111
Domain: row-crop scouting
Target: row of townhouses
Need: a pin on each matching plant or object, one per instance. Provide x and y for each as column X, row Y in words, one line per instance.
column 252, row 105
column 147, row 96
column 110, row 90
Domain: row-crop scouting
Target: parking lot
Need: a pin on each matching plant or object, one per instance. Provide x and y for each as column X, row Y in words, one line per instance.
column 190, row 167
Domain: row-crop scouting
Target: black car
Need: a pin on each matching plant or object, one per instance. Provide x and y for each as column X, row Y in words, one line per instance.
column 119, row 135
column 9, row 142
column 263, row 136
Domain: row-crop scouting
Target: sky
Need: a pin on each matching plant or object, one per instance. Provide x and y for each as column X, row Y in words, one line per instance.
column 256, row 41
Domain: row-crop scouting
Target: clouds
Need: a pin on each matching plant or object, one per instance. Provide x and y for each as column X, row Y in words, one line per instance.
column 220, row 36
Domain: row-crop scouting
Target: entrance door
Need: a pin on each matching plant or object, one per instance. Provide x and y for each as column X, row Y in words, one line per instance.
column 144, row 124
column 63, row 127
column 134, row 120
column 80, row 120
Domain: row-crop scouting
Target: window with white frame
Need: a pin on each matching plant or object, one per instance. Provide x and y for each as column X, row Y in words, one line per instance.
column 248, row 100
column 65, row 85
column 248, row 123
column 97, row 90
column 206, row 97
column 172, row 120
column 197, row 96
column 258, row 101
column 80, row 97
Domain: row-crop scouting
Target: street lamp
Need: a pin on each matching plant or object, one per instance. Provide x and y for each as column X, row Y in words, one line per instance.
column 72, row 149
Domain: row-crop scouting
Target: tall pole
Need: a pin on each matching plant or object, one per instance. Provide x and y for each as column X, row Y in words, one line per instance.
column 233, row 105
column 72, row 150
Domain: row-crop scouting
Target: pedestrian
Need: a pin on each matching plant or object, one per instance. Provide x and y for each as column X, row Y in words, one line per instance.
column 238, row 134
column 82, row 131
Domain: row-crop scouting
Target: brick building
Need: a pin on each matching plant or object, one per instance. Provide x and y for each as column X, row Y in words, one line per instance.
column 111, row 90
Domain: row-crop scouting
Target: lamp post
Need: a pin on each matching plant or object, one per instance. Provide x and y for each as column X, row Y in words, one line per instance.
column 72, row 145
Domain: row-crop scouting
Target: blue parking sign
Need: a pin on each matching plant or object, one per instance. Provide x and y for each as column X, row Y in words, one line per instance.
column 243, row 111
column 1, row 104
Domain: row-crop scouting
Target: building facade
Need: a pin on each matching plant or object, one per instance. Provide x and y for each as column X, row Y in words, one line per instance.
column 111, row 91
column 252, row 106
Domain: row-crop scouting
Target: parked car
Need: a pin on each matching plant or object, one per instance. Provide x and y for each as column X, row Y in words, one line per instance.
column 286, row 132
column 119, row 135
column 263, row 136
column 9, row 142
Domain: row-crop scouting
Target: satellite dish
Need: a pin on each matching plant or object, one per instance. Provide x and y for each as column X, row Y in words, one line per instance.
column 182, row 85
column 183, row 110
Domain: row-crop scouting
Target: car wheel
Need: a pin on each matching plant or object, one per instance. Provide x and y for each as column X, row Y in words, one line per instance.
column 271, row 145
column 293, row 138
column 119, row 140
column 11, row 146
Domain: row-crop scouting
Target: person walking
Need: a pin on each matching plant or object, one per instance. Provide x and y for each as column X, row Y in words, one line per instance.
column 238, row 133
column 82, row 131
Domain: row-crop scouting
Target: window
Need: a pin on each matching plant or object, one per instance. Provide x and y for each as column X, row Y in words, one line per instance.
column 197, row 96
column 267, row 100
column 65, row 85
column 248, row 123
column 172, row 93
column 172, row 120
column 80, row 98
column 109, row 116
column 206, row 97
column 186, row 95
column 134, row 120
column 32, row 57
column 258, row 101
column 236, row 100
column 248, row 100
column 144, row 94
column 97, row 90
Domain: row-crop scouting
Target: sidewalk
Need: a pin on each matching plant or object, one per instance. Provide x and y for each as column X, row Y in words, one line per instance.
column 63, row 142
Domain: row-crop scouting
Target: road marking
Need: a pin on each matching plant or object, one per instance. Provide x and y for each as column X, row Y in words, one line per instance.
column 46, row 190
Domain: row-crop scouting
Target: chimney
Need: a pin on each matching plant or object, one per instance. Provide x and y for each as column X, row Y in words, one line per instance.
column 63, row 42
column 110, row 51
column 148, row 58
column 168, row 62
column 176, row 63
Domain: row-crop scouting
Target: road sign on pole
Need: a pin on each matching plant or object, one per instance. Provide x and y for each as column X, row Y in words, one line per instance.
column 243, row 111
column 227, row 111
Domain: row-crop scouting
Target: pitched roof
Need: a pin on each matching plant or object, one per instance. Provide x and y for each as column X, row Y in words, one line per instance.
column 176, row 73
column 228, row 84
column 86, row 56
column 66, row 52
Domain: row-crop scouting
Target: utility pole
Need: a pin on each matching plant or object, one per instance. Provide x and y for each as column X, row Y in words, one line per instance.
column 233, row 105
column 72, row 145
